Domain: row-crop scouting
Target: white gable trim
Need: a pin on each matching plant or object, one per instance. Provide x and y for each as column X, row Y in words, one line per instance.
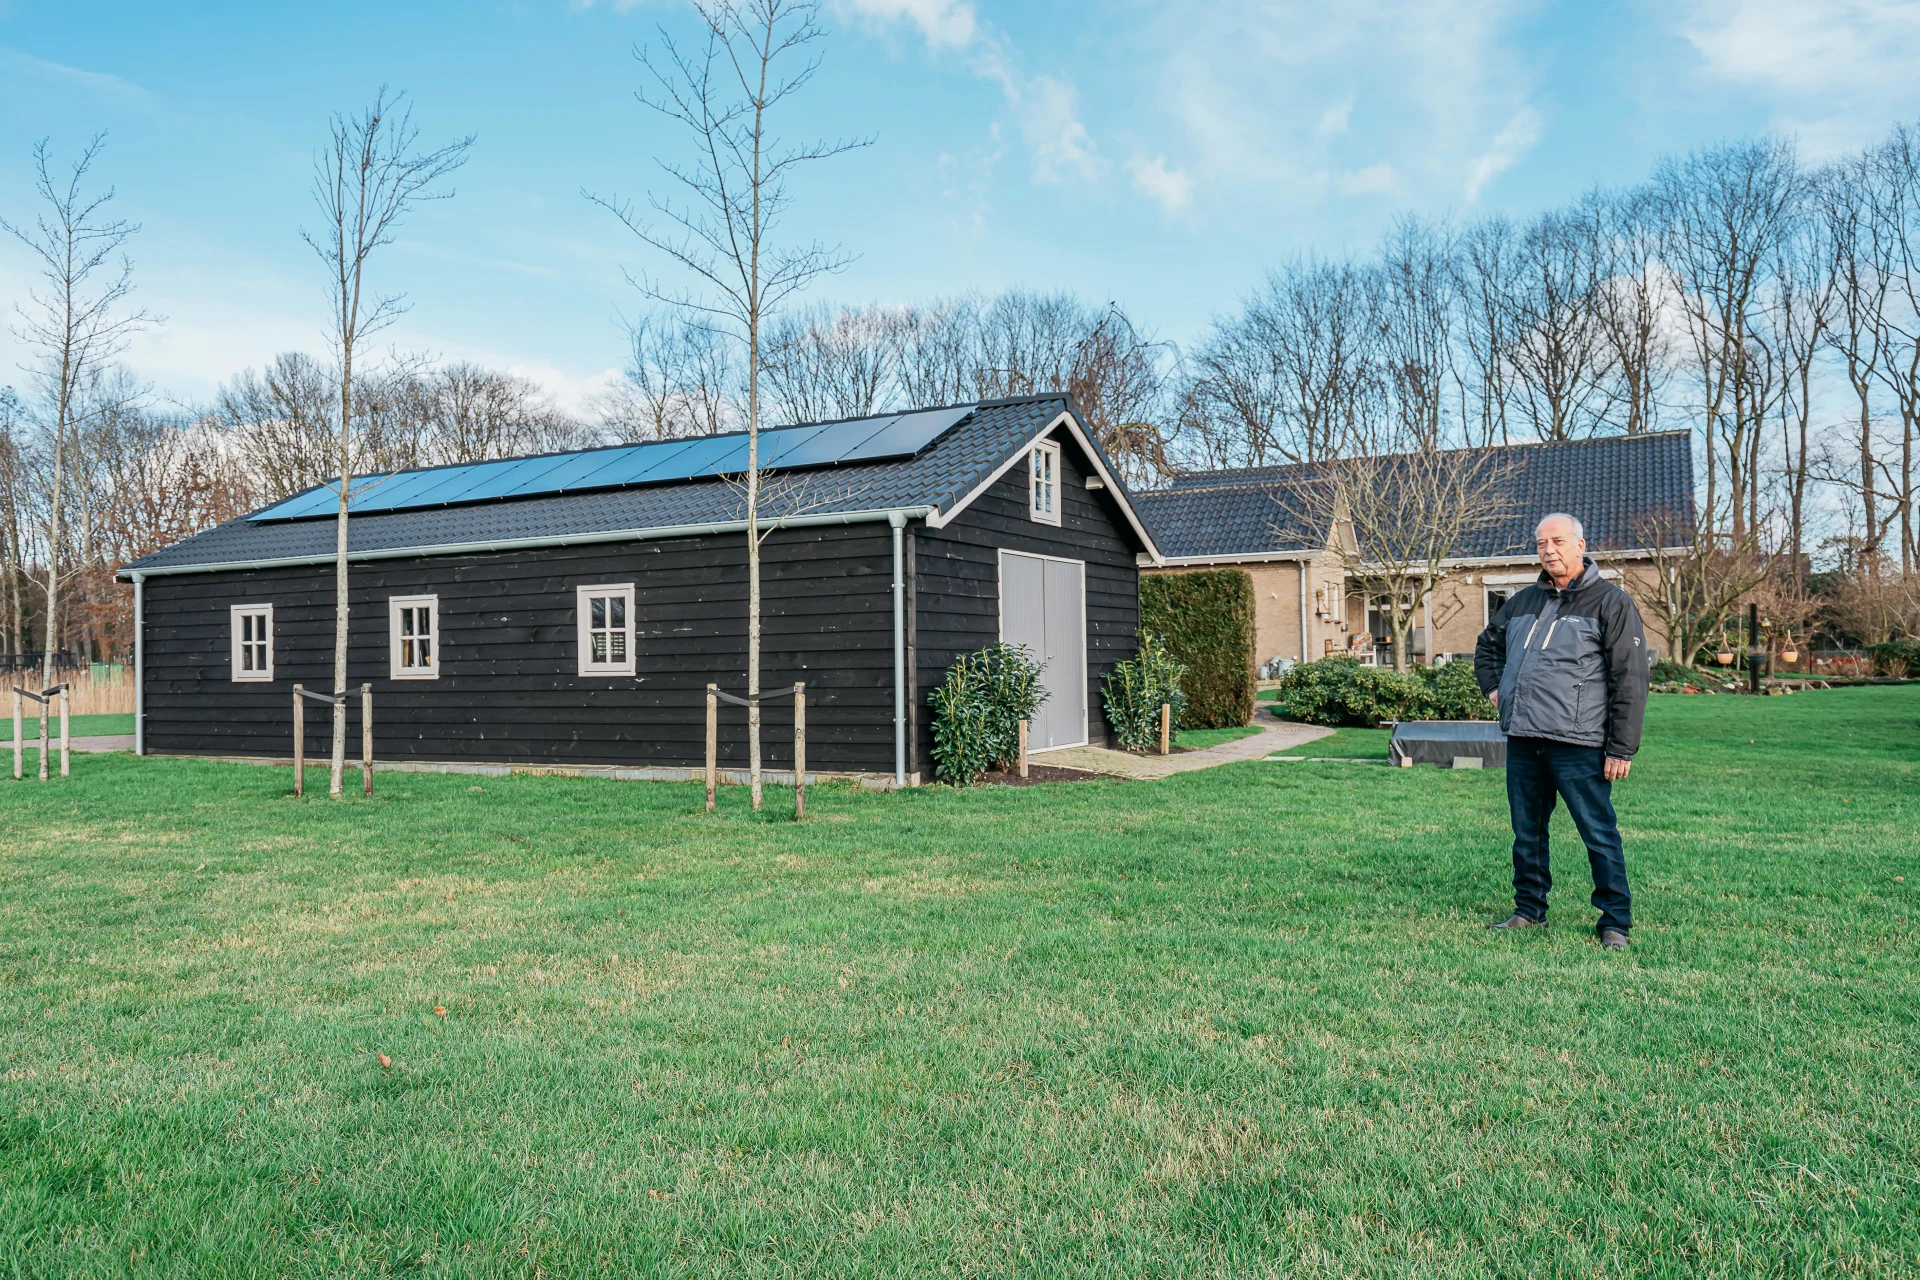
column 940, row 519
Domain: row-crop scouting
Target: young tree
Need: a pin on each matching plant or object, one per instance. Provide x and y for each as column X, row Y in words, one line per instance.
column 717, row 222
column 1398, row 521
column 366, row 179
column 76, row 321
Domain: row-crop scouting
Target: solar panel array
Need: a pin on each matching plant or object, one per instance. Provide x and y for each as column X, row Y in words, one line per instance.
column 819, row 444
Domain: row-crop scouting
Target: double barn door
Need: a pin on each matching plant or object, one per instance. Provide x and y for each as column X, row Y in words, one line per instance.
column 1043, row 605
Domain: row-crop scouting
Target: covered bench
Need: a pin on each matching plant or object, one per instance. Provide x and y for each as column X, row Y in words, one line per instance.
column 1451, row 744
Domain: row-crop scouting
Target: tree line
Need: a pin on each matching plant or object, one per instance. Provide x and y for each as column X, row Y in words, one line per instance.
column 1768, row 305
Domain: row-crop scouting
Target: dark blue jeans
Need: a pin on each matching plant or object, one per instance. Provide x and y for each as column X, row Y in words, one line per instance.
column 1538, row 772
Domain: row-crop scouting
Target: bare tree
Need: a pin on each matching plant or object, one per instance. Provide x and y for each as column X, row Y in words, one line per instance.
column 77, row 319
column 1398, row 521
column 1558, row 347
column 1898, row 227
column 1488, row 270
column 1414, row 318
column 285, row 421
column 725, row 95
column 1700, row 575
column 365, row 181
column 1727, row 211
column 826, row 363
column 1632, row 301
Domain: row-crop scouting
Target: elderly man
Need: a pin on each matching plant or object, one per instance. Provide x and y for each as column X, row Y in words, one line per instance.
column 1565, row 661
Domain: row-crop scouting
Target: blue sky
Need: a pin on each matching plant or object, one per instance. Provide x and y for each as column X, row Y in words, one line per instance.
column 1158, row 153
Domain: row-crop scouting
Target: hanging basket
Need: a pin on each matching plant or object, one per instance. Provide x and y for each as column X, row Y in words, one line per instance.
column 1724, row 657
column 1789, row 654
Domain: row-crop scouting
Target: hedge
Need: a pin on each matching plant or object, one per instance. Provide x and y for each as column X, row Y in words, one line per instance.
column 1339, row 691
column 1206, row 619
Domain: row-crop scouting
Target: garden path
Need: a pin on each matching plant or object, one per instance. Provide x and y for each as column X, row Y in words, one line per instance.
column 1274, row 735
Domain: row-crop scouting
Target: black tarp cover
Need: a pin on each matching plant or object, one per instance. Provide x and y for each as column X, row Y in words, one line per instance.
column 1451, row 744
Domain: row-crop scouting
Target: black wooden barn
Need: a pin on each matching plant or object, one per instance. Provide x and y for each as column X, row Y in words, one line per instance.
column 570, row 610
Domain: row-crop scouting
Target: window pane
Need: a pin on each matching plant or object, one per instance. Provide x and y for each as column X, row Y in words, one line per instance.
column 619, row 606
column 426, row 652
column 597, row 645
column 599, row 606
column 619, row 639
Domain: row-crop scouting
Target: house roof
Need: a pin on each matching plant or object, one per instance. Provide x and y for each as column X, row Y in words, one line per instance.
column 1611, row 484
column 937, row 482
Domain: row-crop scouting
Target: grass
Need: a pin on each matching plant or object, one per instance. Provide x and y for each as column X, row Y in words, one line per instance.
column 83, row 726
column 1351, row 744
column 1201, row 739
column 1242, row 1022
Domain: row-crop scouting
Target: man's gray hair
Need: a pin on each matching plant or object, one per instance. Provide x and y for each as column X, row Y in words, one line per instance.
column 1579, row 530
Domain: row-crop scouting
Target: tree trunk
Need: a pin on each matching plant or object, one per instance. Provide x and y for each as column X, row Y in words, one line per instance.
column 336, row 779
column 753, row 561
column 61, row 412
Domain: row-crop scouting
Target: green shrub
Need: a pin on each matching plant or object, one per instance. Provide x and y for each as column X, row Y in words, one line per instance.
column 1135, row 690
column 1338, row 691
column 1896, row 658
column 1206, row 620
column 978, row 708
column 1453, row 693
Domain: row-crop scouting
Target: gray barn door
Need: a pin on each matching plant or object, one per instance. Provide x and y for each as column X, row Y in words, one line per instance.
column 1043, row 606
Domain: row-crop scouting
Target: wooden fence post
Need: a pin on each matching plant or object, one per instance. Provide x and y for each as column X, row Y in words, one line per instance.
column 1023, row 749
column 366, row 739
column 19, row 737
column 46, row 714
column 299, row 742
column 66, row 724
column 799, row 751
column 1166, row 727
column 713, row 741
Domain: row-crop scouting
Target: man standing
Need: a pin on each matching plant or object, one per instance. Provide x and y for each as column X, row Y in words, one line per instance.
column 1565, row 661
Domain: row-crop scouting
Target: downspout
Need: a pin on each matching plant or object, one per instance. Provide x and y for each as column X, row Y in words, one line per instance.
column 139, row 664
column 1304, row 655
column 898, row 519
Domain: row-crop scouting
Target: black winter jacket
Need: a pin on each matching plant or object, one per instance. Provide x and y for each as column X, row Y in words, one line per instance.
column 1570, row 665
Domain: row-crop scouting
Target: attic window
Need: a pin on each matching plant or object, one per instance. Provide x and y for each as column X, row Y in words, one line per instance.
column 1043, row 483
column 606, row 630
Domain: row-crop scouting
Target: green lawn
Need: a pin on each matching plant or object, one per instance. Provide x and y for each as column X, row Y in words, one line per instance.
column 1201, row 739
column 1352, row 744
column 83, row 726
column 1237, row 1023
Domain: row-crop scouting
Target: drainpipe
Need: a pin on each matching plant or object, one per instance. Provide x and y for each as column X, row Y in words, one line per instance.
column 898, row 519
column 139, row 664
column 1304, row 655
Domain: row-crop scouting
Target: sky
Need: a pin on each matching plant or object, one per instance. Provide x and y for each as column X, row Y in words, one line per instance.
column 1161, row 154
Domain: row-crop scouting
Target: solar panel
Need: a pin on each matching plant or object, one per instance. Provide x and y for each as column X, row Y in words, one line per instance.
column 784, row 448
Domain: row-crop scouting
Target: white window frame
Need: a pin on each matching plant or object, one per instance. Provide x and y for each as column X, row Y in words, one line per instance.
column 395, row 671
column 1487, row 605
column 583, row 598
column 264, row 612
column 1044, row 454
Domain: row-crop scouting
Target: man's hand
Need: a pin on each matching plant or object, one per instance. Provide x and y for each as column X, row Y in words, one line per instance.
column 1494, row 698
column 1616, row 769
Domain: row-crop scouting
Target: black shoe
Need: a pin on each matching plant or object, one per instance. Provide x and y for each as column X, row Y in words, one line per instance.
column 1518, row 921
column 1614, row 939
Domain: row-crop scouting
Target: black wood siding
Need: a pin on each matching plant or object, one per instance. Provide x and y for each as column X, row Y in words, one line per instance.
column 509, row 689
column 956, row 584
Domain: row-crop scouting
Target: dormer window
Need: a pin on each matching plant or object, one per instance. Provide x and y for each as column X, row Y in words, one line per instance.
column 1043, row 483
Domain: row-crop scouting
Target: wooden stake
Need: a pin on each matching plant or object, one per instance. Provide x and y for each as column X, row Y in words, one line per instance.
column 19, row 736
column 46, row 714
column 66, row 725
column 713, row 741
column 799, row 751
column 299, row 742
column 1166, row 728
column 366, row 739
column 1023, row 749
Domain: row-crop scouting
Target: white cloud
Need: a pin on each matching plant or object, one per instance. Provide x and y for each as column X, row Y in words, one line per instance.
column 1508, row 147
column 1171, row 189
column 1046, row 108
column 1335, row 120
column 1838, row 72
column 945, row 24
column 1374, row 180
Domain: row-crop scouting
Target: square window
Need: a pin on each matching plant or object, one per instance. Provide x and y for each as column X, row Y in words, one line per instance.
column 606, row 629
column 413, row 628
column 1043, row 482
column 252, row 642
